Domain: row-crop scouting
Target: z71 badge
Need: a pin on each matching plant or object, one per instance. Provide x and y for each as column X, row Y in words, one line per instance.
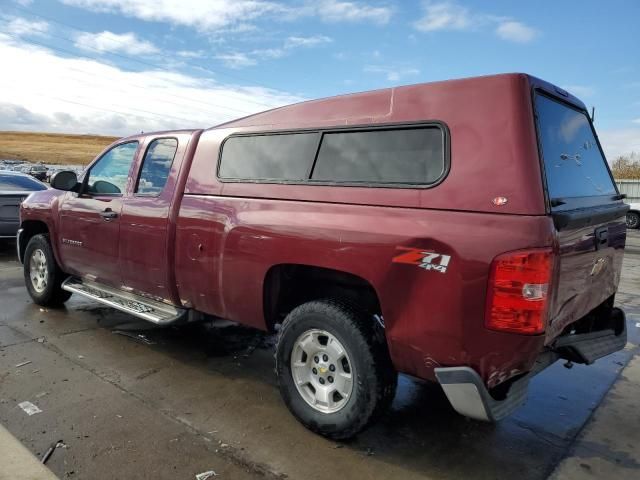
column 423, row 259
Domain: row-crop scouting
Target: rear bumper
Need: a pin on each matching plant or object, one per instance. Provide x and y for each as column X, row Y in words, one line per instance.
column 588, row 347
column 470, row 397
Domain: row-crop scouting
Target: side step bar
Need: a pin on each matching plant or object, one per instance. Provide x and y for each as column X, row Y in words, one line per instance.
column 137, row 305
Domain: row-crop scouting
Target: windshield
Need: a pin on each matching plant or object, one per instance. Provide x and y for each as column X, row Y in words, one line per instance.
column 573, row 162
column 18, row 183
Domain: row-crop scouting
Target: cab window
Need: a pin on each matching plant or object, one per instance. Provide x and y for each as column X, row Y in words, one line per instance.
column 109, row 175
column 156, row 166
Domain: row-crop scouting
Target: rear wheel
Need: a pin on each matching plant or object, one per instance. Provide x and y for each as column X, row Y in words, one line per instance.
column 633, row 220
column 42, row 274
column 333, row 368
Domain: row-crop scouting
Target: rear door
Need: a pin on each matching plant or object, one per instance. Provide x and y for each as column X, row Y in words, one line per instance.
column 145, row 250
column 588, row 213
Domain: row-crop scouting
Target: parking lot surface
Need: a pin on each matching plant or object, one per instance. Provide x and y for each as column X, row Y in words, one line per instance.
column 130, row 400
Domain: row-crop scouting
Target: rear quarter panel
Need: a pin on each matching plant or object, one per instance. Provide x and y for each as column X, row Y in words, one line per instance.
column 432, row 319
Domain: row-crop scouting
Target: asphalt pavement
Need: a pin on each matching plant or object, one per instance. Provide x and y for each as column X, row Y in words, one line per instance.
column 129, row 400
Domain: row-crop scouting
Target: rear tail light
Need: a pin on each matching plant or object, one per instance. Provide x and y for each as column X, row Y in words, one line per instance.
column 518, row 294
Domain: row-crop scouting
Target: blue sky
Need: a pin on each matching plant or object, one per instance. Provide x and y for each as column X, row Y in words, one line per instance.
column 120, row 66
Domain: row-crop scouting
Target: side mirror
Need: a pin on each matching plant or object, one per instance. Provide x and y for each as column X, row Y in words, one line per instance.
column 64, row 180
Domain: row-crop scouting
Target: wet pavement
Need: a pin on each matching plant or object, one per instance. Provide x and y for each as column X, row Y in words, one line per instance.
column 130, row 400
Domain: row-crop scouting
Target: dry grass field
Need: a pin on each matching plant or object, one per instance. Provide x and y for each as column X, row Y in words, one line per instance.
column 51, row 148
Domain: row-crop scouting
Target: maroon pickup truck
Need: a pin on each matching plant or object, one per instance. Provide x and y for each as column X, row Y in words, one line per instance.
column 467, row 232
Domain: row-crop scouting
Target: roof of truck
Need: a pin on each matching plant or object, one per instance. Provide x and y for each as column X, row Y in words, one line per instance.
column 159, row 132
column 372, row 106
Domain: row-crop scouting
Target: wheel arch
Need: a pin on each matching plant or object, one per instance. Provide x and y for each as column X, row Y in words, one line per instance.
column 288, row 285
column 31, row 228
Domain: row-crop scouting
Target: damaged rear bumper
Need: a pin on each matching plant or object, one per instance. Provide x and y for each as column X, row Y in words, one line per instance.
column 469, row 396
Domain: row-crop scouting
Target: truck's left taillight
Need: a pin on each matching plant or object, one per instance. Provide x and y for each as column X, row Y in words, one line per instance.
column 518, row 291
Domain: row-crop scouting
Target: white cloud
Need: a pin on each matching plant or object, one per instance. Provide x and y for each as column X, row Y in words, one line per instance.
column 115, row 42
column 236, row 60
column 445, row 16
column 268, row 53
column 618, row 142
column 88, row 96
column 580, row 91
column 231, row 15
column 295, row 42
column 190, row 53
column 202, row 14
column 516, row 32
column 340, row 11
column 21, row 26
column 637, row 120
column 392, row 73
column 450, row 15
column 248, row 59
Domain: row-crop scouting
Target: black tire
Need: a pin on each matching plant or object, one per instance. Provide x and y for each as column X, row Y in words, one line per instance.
column 52, row 294
column 374, row 378
column 633, row 220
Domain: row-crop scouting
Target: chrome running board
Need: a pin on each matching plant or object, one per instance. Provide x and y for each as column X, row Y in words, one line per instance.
column 137, row 305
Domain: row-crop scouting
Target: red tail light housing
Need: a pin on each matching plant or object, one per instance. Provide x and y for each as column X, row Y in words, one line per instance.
column 518, row 293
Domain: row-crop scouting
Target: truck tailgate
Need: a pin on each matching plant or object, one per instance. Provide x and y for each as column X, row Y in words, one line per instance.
column 587, row 271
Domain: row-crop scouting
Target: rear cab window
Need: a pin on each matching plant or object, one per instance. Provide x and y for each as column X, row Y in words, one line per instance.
column 575, row 168
column 156, row 166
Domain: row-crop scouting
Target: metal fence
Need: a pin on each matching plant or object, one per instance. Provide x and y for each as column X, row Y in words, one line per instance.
column 631, row 188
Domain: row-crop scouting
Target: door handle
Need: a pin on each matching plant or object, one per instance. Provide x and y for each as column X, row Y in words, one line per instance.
column 601, row 237
column 108, row 214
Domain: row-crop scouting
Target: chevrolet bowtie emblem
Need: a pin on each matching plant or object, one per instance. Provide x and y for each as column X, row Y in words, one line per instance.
column 598, row 266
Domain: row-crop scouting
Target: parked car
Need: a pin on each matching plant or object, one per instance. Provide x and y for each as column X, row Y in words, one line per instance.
column 14, row 188
column 439, row 230
column 633, row 216
column 37, row 171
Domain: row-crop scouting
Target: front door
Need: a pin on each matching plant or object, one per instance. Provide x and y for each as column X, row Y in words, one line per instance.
column 90, row 222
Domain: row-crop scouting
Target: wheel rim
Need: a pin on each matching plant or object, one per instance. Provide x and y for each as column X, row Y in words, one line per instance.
column 38, row 272
column 322, row 371
column 633, row 220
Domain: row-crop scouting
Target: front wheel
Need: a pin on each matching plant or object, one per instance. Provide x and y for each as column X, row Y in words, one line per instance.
column 42, row 274
column 633, row 220
column 333, row 368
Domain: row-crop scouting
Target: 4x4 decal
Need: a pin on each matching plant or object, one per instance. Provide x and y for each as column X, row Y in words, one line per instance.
column 423, row 258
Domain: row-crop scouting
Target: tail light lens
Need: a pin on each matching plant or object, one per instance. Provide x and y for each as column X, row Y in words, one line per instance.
column 518, row 294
